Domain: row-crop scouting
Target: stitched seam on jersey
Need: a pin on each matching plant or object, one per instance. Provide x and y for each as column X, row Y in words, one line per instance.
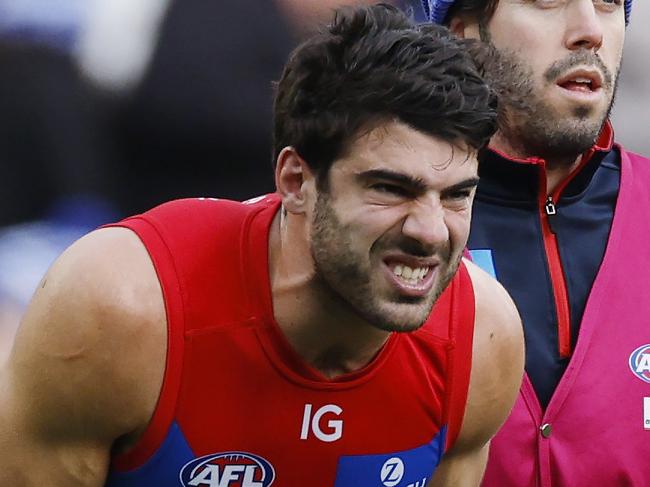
column 357, row 378
column 159, row 425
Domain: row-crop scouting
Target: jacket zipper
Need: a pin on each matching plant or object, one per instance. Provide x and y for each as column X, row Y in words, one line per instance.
column 548, row 211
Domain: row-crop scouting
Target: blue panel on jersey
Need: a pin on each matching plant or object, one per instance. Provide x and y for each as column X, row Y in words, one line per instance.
column 163, row 467
column 409, row 468
column 483, row 259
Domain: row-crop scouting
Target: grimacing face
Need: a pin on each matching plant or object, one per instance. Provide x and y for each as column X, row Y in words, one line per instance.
column 388, row 234
column 570, row 51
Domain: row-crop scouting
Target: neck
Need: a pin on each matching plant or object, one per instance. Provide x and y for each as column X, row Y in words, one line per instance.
column 319, row 324
column 558, row 168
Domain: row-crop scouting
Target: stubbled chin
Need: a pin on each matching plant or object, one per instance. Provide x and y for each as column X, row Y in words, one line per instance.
column 401, row 316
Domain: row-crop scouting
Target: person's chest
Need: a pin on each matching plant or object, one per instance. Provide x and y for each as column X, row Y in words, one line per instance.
column 247, row 415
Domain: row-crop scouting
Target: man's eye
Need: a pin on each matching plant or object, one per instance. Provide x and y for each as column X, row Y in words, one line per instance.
column 390, row 189
column 459, row 195
column 547, row 3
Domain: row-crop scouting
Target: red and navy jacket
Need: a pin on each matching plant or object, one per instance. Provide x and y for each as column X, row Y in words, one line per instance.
column 546, row 249
column 239, row 407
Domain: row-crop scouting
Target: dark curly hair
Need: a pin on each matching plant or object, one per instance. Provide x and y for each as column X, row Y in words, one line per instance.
column 374, row 64
column 480, row 9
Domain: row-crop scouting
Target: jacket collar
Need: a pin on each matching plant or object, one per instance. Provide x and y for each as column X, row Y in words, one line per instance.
column 506, row 177
column 604, row 143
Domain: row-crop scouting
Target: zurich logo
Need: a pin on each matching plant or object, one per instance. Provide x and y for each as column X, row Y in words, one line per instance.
column 392, row 472
column 228, row 469
column 640, row 363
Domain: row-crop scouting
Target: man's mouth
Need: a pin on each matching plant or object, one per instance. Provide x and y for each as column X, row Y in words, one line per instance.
column 583, row 80
column 411, row 276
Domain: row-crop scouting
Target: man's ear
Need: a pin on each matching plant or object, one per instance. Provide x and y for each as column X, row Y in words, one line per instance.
column 465, row 27
column 457, row 27
column 293, row 180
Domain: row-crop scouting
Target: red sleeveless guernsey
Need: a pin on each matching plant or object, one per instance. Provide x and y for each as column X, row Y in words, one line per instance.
column 240, row 408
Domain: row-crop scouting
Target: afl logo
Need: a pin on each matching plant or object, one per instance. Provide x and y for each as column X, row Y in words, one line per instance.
column 229, row 469
column 640, row 363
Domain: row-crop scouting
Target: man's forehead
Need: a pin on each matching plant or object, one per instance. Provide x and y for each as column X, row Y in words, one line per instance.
column 395, row 143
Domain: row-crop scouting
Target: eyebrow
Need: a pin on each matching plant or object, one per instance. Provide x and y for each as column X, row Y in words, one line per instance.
column 466, row 184
column 414, row 183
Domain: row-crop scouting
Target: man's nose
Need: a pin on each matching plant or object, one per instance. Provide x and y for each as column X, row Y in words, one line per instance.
column 584, row 27
column 426, row 223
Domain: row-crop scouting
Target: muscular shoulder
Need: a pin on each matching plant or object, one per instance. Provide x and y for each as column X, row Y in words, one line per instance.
column 498, row 359
column 497, row 370
column 89, row 355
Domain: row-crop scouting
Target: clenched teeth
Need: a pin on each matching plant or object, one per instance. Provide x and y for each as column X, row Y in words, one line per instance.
column 410, row 275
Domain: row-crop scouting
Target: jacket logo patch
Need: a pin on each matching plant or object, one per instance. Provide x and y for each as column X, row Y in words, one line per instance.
column 640, row 363
column 228, row 469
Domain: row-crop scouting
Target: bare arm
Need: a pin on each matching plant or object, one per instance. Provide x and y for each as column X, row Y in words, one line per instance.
column 86, row 366
column 497, row 370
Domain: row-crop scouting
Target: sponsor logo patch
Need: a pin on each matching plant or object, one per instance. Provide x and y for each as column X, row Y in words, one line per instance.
column 228, row 469
column 406, row 468
column 640, row 363
column 334, row 426
column 392, row 472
